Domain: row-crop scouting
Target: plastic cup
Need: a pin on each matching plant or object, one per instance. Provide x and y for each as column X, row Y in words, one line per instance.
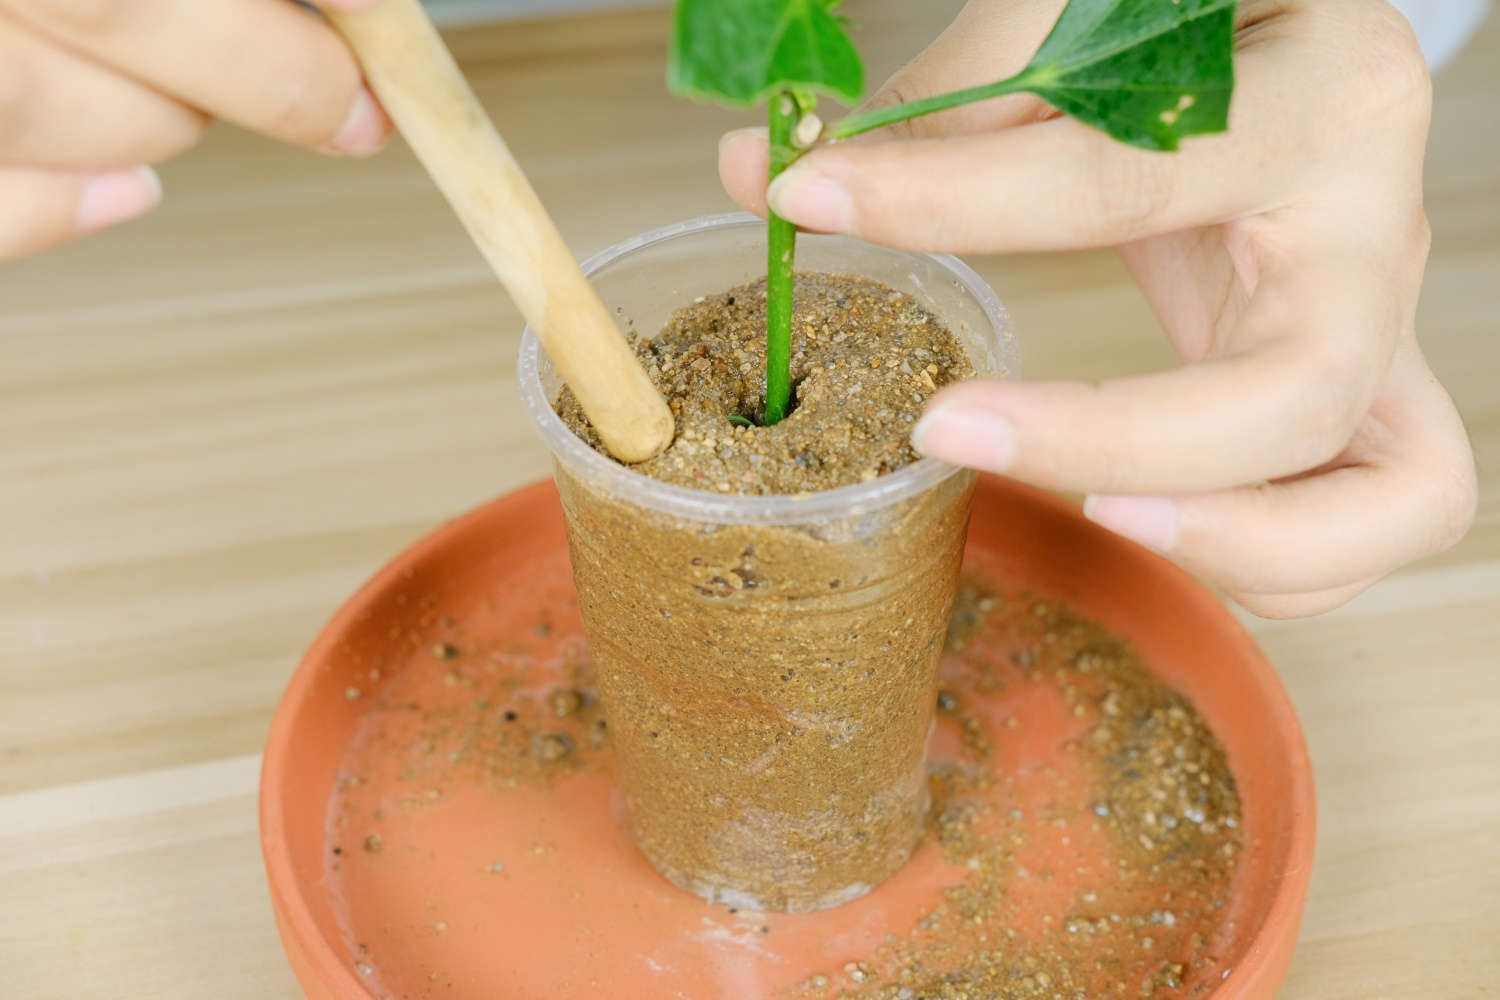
column 767, row 664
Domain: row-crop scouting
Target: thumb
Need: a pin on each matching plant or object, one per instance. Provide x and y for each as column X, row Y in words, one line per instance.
column 989, row 40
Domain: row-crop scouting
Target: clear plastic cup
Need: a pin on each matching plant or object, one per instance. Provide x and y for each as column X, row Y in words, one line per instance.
column 767, row 664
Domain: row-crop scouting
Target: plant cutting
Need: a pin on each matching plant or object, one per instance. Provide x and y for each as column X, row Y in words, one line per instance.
column 765, row 606
column 766, row 599
column 1146, row 72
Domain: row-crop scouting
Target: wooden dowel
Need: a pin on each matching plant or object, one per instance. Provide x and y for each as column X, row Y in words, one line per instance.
column 426, row 95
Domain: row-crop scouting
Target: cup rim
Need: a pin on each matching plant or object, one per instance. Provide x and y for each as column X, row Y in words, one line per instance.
column 605, row 474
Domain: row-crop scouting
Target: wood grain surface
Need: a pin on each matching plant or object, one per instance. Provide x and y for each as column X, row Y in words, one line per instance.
column 216, row 422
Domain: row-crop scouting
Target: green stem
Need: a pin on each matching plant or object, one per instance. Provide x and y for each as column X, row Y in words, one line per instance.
column 781, row 248
column 864, row 121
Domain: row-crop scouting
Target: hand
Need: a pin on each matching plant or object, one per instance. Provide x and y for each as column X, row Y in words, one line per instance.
column 1304, row 449
column 94, row 91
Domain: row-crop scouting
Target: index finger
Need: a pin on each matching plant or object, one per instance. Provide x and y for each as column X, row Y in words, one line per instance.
column 1059, row 184
column 266, row 65
column 1051, row 185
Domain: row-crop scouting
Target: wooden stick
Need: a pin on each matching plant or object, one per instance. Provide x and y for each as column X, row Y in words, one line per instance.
column 422, row 88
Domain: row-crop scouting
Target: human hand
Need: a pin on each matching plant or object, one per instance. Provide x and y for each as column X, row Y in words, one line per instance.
column 1305, row 449
column 94, row 91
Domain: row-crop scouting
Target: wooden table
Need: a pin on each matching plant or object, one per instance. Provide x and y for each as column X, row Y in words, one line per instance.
column 216, row 422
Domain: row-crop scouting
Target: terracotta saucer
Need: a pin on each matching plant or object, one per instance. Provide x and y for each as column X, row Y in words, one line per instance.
column 405, row 863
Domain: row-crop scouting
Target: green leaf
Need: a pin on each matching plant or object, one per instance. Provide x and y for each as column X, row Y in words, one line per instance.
column 735, row 418
column 1147, row 72
column 739, row 52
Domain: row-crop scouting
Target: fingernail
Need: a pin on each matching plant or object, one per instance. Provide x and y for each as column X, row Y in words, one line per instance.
column 755, row 133
column 112, row 198
column 974, row 438
column 1151, row 521
column 364, row 128
column 811, row 200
